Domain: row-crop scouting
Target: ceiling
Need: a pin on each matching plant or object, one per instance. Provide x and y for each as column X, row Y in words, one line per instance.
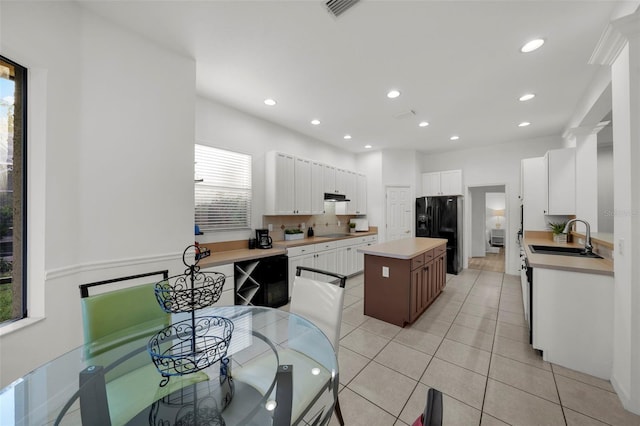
column 457, row 64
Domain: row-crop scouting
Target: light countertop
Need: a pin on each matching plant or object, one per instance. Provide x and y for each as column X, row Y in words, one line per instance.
column 223, row 257
column 565, row 263
column 406, row 248
column 320, row 239
column 231, row 256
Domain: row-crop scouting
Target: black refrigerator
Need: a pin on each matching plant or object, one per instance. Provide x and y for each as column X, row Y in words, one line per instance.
column 441, row 217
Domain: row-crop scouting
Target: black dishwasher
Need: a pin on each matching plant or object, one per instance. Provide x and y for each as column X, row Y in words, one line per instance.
column 262, row 282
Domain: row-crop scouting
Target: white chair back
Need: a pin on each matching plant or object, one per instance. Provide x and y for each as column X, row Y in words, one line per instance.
column 321, row 303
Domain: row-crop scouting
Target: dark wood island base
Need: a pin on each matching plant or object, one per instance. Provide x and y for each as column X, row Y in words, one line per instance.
column 402, row 278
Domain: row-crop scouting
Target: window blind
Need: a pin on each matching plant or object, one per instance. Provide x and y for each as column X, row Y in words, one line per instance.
column 222, row 189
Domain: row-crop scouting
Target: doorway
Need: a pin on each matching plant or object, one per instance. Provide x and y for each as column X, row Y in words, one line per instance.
column 399, row 211
column 488, row 228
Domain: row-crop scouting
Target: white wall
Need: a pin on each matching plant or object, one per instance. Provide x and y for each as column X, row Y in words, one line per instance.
column 494, row 165
column 113, row 192
column 370, row 163
column 478, row 219
column 626, row 155
column 223, row 127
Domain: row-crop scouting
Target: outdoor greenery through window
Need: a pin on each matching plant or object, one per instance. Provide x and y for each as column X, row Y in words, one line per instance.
column 12, row 190
column 222, row 189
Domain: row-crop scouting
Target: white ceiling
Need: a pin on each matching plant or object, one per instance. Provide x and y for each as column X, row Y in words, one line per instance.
column 456, row 63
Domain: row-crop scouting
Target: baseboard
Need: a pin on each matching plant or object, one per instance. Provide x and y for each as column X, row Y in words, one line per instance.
column 625, row 398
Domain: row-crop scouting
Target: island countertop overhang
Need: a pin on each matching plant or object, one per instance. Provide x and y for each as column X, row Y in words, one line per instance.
column 406, row 248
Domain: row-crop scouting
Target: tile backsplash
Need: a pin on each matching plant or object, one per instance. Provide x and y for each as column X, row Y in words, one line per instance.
column 322, row 224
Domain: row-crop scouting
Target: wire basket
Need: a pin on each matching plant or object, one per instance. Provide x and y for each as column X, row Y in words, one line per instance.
column 189, row 292
column 191, row 345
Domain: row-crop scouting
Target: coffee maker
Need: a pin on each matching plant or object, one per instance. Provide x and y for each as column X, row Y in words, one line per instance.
column 263, row 240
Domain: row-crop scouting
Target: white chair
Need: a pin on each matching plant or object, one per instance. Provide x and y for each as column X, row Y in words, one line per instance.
column 320, row 303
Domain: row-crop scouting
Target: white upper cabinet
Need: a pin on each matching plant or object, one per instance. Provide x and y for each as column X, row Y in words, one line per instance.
column 279, row 188
column 560, row 181
column 302, row 185
column 296, row 186
column 342, row 181
column 351, row 191
column 442, row 183
column 329, row 179
column 317, row 188
column 361, row 191
column 533, row 193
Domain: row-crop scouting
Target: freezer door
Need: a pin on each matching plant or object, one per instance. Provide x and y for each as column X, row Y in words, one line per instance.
column 421, row 217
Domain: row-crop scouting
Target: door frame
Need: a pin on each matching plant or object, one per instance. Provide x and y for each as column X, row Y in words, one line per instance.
column 467, row 235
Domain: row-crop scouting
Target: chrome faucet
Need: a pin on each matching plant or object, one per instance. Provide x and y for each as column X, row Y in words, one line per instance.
column 588, row 248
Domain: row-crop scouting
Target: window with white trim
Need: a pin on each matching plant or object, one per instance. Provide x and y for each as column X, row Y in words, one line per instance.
column 222, row 189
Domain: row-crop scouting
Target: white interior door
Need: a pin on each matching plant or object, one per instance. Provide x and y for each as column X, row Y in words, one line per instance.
column 399, row 213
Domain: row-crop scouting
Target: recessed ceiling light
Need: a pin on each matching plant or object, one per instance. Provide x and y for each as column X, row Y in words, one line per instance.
column 423, row 124
column 315, row 122
column 532, row 45
column 393, row 94
column 347, row 137
column 269, row 102
column 368, row 146
column 526, row 97
column 454, row 138
column 524, row 124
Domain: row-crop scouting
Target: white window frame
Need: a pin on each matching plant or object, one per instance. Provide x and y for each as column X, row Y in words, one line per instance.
column 223, row 190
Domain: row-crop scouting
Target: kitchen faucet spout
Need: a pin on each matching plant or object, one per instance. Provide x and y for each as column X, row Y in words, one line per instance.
column 588, row 247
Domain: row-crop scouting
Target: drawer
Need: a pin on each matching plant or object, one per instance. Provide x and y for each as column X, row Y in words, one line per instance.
column 227, row 270
column 299, row 250
column 417, row 262
column 371, row 239
column 440, row 249
column 325, row 246
column 428, row 256
column 349, row 242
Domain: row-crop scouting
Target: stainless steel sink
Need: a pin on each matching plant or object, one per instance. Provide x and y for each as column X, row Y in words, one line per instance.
column 563, row 251
column 334, row 235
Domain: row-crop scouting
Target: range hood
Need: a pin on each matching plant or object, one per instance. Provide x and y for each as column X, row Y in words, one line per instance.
column 328, row 196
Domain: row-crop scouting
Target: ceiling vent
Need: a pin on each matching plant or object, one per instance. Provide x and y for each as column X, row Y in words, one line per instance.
column 338, row 7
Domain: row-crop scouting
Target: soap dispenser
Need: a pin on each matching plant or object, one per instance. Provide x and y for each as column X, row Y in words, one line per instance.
column 310, row 232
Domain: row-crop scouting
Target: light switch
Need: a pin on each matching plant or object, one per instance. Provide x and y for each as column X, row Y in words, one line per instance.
column 270, row 227
column 621, row 246
column 385, row 271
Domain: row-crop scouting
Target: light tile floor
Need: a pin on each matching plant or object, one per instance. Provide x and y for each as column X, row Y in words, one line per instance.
column 472, row 345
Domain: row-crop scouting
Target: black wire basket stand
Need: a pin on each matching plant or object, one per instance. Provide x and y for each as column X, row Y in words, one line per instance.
column 191, row 345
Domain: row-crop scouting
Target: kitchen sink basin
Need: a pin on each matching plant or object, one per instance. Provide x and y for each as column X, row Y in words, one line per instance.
column 562, row 251
column 334, row 235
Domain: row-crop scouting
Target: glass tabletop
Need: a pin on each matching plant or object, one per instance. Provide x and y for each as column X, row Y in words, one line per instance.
column 276, row 368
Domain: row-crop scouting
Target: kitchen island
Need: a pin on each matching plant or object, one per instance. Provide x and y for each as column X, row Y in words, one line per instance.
column 403, row 277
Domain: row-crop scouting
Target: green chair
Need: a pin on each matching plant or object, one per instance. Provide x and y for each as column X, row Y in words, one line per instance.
column 118, row 323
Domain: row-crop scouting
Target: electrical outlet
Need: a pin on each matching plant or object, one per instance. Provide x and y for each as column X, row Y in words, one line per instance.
column 338, row 223
column 304, row 225
column 385, row 272
column 270, row 227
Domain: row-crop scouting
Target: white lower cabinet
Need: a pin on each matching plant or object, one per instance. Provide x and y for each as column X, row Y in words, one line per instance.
column 573, row 320
column 346, row 257
column 319, row 256
column 339, row 256
column 227, row 297
column 368, row 241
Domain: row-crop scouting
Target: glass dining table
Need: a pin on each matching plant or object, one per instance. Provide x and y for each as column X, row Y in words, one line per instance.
column 276, row 369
